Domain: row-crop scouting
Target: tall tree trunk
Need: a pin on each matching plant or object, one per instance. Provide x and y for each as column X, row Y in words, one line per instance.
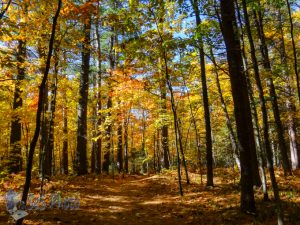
column 264, row 112
column 120, row 143
column 257, row 133
column 294, row 48
column 290, row 106
column 45, row 120
column 143, row 140
column 15, row 158
column 50, row 140
column 95, row 125
column 108, row 122
column 65, row 157
column 81, row 149
column 254, row 161
column 209, row 155
column 99, row 96
column 178, row 136
column 108, row 130
column 164, row 129
column 197, row 135
column 262, row 101
column 163, row 98
column 272, row 93
column 241, row 102
column 39, row 113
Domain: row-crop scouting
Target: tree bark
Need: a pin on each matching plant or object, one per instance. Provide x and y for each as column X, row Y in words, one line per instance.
column 45, row 120
column 81, row 149
column 164, row 129
column 241, row 103
column 257, row 133
column 120, row 143
column 95, row 125
column 65, row 157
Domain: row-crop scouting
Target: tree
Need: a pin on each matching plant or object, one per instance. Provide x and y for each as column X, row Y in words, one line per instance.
column 81, row 149
column 294, row 48
column 241, row 102
column 15, row 159
column 3, row 11
column 200, row 46
column 272, row 92
column 39, row 111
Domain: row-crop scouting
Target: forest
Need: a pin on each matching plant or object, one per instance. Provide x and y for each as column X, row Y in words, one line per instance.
column 149, row 111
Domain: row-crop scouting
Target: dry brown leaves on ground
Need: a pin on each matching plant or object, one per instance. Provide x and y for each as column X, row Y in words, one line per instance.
column 133, row 200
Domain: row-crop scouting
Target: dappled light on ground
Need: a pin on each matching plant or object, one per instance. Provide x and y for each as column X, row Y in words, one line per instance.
column 154, row 200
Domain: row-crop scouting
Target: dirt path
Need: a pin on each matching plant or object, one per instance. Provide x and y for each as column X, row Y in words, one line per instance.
column 154, row 200
column 134, row 200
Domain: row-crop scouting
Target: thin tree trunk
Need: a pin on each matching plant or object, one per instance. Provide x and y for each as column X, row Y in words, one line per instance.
column 258, row 80
column 228, row 120
column 272, row 93
column 95, row 126
column 99, row 96
column 197, row 138
column 50, row 140
column 209, row 154
column 39, row 112
column 178, row 135
column 197, row 135
column 290, row 106
column 294, row 48
column 264, row 113
column 163, row 98
column 65, row 163
column 44, row 122
column 5, row 9
column 120, row 143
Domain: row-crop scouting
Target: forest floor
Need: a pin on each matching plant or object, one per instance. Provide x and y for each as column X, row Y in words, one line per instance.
column 154, row 199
